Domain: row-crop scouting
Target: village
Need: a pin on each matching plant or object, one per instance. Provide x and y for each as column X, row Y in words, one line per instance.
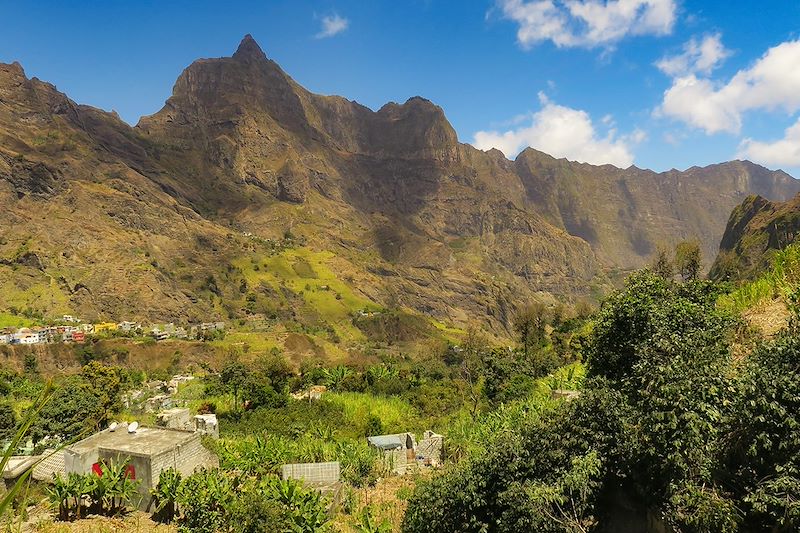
column 70, row 329
column 184, row 439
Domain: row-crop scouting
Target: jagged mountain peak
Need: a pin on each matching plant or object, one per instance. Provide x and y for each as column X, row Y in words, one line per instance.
column 12, row 69
column 249, row 50
column 241, row 144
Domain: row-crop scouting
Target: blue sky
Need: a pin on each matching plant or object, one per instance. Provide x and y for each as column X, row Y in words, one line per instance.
column 656, row 83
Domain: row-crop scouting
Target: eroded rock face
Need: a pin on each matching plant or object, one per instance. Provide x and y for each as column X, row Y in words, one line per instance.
column 147, row 216
column 30, row 178
column 624, row 214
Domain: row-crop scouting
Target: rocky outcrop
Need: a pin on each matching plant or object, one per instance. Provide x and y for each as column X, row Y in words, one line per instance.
column 756, row 229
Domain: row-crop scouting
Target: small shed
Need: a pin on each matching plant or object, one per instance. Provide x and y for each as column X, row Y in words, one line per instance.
column 398, row 450
column 175, row 418
column 207, row 424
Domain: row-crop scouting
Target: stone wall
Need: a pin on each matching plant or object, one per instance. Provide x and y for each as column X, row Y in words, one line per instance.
column 175, row 419
column 431, row 449
column 185, row 458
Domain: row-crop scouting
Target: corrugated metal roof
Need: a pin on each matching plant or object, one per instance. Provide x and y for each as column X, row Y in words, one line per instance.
column 387, row 442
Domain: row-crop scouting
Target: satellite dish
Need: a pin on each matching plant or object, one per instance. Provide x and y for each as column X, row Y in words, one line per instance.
column 132, row 427
column 113, row 426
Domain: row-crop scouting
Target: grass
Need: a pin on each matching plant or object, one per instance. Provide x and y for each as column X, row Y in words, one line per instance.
column 323, row 298
column 450, row 332
column 250, row 341
column 7, row 320
column 780, row 281
column 396, row 414
column 310, row 275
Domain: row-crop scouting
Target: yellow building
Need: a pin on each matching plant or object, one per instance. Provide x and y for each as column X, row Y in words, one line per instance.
column 105, row 326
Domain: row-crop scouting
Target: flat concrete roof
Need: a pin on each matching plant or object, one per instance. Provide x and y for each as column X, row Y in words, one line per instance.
column 146, row 440
column 18, row 464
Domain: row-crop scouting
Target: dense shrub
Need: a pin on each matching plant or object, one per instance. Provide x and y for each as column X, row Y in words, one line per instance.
column 668, row 422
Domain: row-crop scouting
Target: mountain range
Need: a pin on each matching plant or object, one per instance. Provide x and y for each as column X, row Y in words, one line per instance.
column 244, row 184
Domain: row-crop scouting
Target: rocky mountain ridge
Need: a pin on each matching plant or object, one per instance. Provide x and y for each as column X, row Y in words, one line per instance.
column 138, row 221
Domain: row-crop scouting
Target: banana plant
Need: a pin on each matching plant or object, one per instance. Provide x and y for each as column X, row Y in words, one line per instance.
column 119, row 487
column 335, row 376
column 165, row 494
column 306, row 508
column 79, row 487
column 59, row 493
column 368, row 523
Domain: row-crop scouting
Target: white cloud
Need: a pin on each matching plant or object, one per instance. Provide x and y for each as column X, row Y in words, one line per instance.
column 781, row 153
column 772, row 83
column 587, row 23
column 332, row 25
column 563, row 132
column 697, row 57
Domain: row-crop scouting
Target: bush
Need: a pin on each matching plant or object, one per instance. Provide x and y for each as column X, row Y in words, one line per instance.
column 8, row 422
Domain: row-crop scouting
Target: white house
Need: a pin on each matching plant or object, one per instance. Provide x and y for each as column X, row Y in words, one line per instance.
column 28, row 336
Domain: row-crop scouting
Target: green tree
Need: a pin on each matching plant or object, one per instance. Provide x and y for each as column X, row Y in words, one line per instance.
column 472, row 356
column 662, row 266
column 233, row 376
column 257, row 391
column 373, row 426
column 104, row 383
column 530, row 324
column 763, row 451
column 30, row 364
column 688, row 259
column 8, row 422
column 548, row 476
column 165, row 495
column 80, row 404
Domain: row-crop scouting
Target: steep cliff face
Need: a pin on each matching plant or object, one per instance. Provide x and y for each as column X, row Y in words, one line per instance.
column 626, row 214
column 156, row 221
column 439, row 215
column 755, row 230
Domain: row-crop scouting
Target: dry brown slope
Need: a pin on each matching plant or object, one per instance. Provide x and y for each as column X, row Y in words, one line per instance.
column 83, row 228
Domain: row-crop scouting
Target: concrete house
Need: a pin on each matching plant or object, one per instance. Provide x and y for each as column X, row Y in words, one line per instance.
column 29, row 336
column 128, row 327
column 148, row 449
